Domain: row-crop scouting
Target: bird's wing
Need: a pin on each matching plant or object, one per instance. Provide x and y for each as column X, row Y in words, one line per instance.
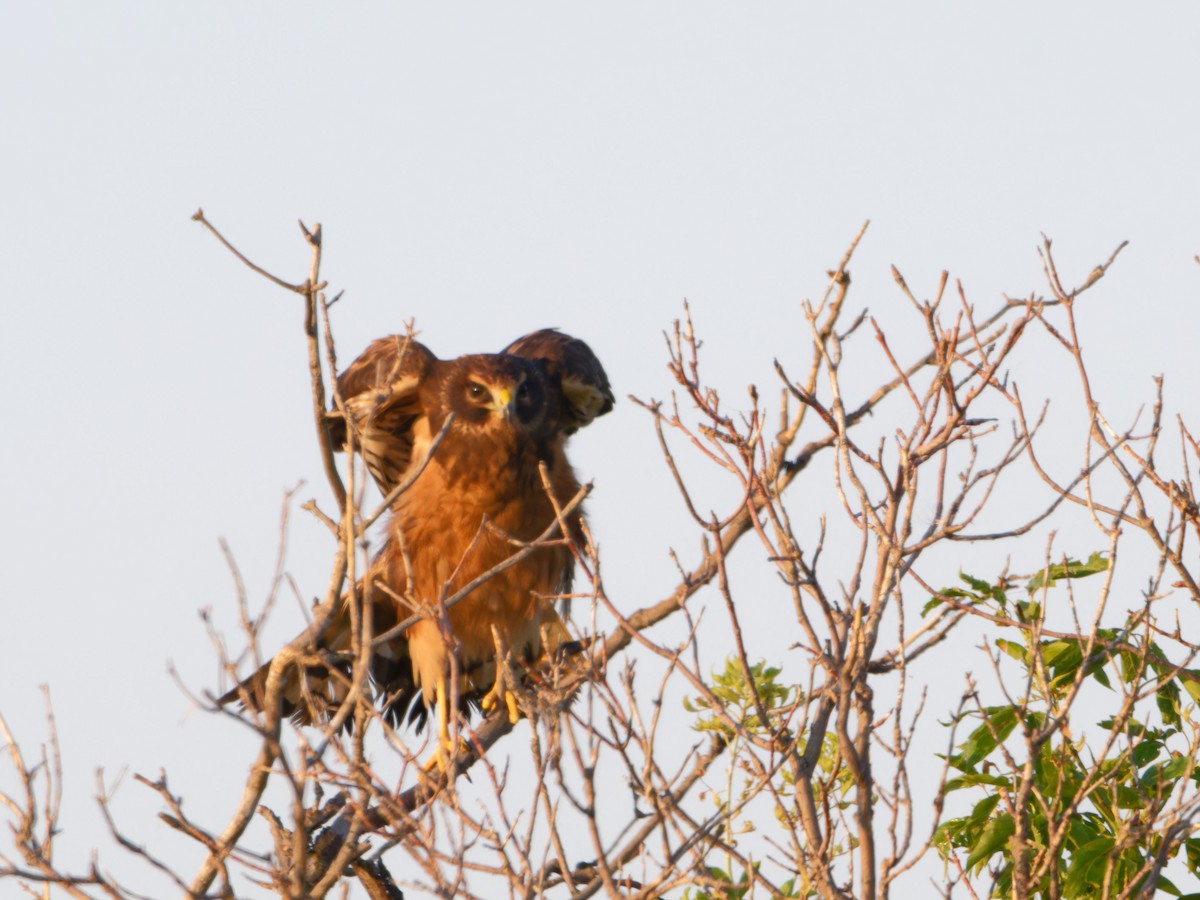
column 586, row 394
column 380, row 395
column 312, row 689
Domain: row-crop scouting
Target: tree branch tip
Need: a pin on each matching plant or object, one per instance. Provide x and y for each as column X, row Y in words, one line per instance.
column 313, row 236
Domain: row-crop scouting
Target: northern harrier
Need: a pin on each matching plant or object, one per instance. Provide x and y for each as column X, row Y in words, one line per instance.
column 480, row 496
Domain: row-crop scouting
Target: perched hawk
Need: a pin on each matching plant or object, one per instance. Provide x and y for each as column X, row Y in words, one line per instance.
column 478, row 499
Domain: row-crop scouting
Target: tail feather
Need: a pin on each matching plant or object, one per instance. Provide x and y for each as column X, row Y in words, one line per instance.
column 313, row 691
column 308, row 694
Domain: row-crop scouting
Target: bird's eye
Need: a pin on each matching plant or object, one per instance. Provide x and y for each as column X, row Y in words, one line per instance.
column 523, row 391
column 477, row 391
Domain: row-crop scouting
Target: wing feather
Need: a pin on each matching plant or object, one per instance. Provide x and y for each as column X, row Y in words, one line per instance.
column 586, row 393
column 380, row 396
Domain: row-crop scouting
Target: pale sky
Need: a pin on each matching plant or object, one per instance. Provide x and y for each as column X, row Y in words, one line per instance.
column 489, row 169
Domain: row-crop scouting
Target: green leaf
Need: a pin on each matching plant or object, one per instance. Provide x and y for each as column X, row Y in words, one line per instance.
column 1128, row 798
column 1167, row 697
column 1072, row 568
column 1087, row 865
column 1060, row 653
column 998, row 723
column 1129, row 666
column 973, row 778
column 734, row 693
column 1013, row 649
column 932, row 604
column 982, row 591
column 983, row 809
column 1176, row 768
column 1190, row 679
column 1166, row 886
column 994, row 837
column 976, row 584
column 1081, row 830
column 1145, row 752
column 1095, row 564
column 949, row 834
column 1063, row 658
column 1191, row 848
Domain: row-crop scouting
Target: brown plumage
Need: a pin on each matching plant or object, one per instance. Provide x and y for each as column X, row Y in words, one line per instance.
column 480, row 495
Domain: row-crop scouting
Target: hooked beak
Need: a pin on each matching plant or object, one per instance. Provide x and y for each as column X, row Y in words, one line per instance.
column 505, row 402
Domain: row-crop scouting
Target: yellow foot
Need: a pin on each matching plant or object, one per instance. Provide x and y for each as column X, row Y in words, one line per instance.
column 491, row 701
column 446, row 746
column 440, row 761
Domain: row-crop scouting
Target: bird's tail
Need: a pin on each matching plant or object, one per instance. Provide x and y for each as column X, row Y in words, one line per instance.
column 313, row 673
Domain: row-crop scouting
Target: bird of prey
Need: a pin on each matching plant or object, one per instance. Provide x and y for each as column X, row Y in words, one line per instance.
column 496, row 480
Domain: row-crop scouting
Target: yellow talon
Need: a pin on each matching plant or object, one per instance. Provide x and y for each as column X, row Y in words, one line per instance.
column 445, row 746
column 441, row 757
column 491, row 700
column 435, row 762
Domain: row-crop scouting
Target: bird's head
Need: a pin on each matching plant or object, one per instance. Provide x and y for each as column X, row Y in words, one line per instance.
column 494, row 392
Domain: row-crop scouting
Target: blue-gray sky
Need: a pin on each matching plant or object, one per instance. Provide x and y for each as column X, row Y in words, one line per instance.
column 488, row 169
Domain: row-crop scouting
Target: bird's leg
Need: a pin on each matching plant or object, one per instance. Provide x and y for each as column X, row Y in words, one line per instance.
column 445, row 745
column 501, row 686
column 443, row 714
